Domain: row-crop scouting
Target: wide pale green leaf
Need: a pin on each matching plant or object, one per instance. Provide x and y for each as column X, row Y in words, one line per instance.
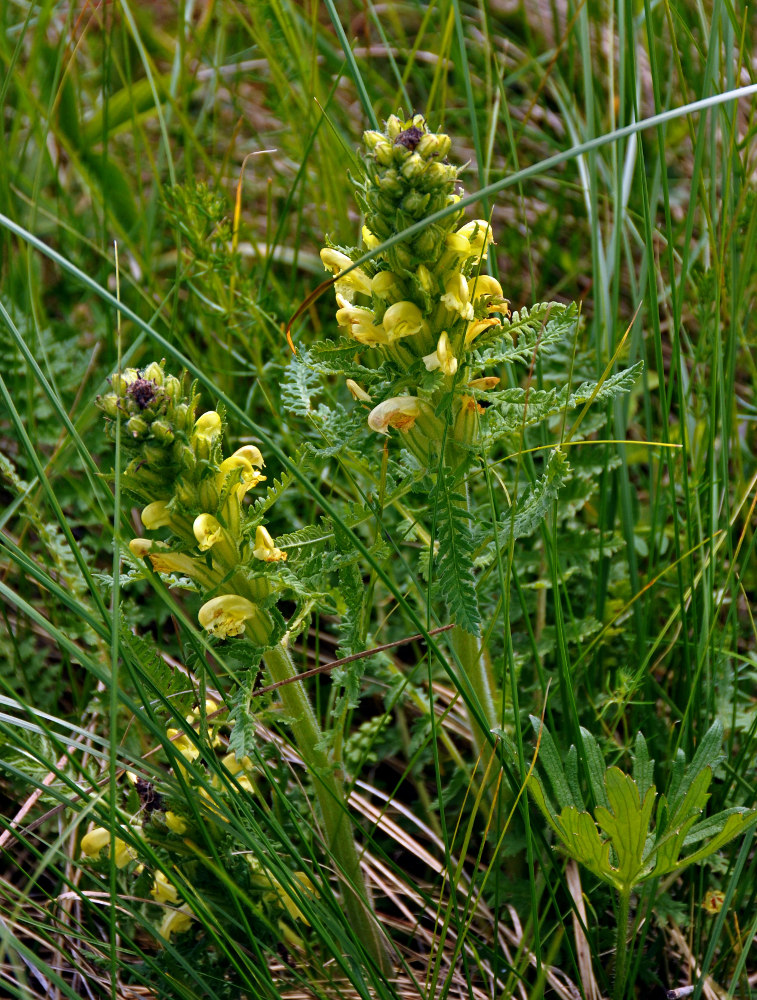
column 626, row 822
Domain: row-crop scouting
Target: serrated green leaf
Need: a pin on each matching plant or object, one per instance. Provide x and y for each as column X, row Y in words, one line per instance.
column 454, row 563
column 626, row 822
column 581, row 838
column 595, row 768
column 551, row 762
column 643, row 767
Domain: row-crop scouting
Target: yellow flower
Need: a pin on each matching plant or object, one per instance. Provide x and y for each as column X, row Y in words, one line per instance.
column 357, row 391
column 176, row 824
column 183, row 744
column 208, row 426
column 456, row 296
column 156, row 515
column 403, row 319
column 361, row 323
column 370, row 241
column 400, row 412
column 472, row 240
column 249, row 476
column 96, row 839
column 265, row 548
column 386, row 285
column 253, row 455
column 347, row 284
column 207, row 531
column 140, row 547
column 484, row 285
column 442, row 357
column 485, row 383
column 176, row 921
column 162, row 890
column 172, row 562
column 474, row 329
column 226, row 615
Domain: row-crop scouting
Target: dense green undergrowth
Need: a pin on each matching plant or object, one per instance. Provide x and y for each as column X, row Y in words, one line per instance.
column 497, row 497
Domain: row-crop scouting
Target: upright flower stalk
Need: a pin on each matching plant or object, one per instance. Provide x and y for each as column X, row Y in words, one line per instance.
column 427, row 305
column 178, row 471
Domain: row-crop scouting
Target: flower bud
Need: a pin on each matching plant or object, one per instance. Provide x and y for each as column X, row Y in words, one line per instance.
column 393, row 127
column 413, row 167
column 357, row 392
column 162, row 431
column 372, row 139
column 176, row 824
column 137, row 426
column 370, row 241
column 108, row 404
column 172, row 387
column 386, row 285
column 154, row 373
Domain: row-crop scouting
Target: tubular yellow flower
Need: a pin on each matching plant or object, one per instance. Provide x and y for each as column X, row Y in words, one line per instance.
column 485, row 383
column 226, row 615
column 474, row 329
column 360, row 323
column 140, row 547
column 162, row 890
column 172, row 562
column 370, row 241
column 400, row 412
column 442, row 357
column 207, row 531
column 253, row 455
column 156, row 515
column 357, row 391
column 386, row 285
column 478, row 236
column 123, row 854
column 176, row 824
column 265, row 548
column 355, row 281
column 94, row 841
column 176, row 921
column 249, row 475
column 183, row 744
column 208, row 426
column 456, row 296
column 484, row 285
column 403, row 319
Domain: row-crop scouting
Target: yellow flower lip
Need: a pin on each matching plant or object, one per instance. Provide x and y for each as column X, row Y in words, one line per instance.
column 140, row 547
column 226, row 615
column 265, row 548
column 399, row 412
column 252, row 453
column 361, row 323
column 474, row 329
column 176, row 921
column 355, row 280
column 484, row 285
column 156, row 515
column 208, row 426
column 403, row 319
column 250, row 476
column 442, row 357
column 457, row 297
column 162, row 890
column 477, row 235
column 207, row 530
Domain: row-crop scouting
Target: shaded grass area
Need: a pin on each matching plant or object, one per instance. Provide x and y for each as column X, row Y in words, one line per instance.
column 214, row 143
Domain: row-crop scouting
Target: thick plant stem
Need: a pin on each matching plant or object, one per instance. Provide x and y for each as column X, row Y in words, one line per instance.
column 330, row 792
column 474, row 662
column 621, row 945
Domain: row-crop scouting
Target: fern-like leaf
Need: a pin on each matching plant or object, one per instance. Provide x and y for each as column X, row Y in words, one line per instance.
column 454, row 566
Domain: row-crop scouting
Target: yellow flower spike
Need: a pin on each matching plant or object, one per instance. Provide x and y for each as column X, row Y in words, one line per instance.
column 400, row 412
column 183, row 744
column 485, row 383
column 207, row 530
column 226, row 615
column 355, row 281
column 403, row 319
column 93, row 842
column 357, row 391
column 265, row 548
column 140, row 547
column 156, row 515
column 360, row 323
column 474, row 329
column 162, row 890
column 176, row 921
column 484, row 284
column 456, row 296
column 176, row 824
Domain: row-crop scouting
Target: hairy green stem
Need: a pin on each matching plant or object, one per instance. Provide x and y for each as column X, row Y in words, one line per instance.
column 475, row 664
column 621, row 944
column 329, row 790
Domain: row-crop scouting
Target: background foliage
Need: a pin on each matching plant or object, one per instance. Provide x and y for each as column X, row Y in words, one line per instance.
column 214, row 142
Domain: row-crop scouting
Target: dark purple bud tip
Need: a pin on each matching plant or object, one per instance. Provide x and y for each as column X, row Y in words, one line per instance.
column 143, row 392
column 409, row 138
